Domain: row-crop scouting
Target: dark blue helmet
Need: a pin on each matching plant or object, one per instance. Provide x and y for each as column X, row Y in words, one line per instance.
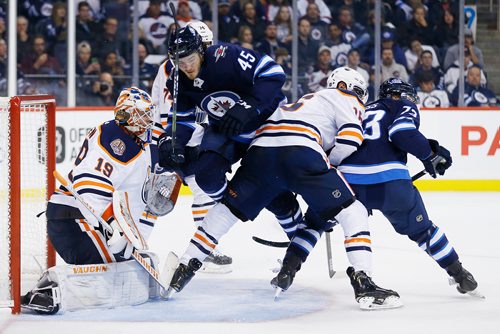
column 185, row 41
column 398, row 87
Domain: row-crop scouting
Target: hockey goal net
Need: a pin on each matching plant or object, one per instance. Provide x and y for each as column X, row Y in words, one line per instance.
column 27, row 160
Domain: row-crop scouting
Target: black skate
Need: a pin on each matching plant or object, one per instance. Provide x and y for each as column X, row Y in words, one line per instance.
column 44, row 298
column 183, row 274
column 463, row 279
column 217, row 263
column 369, row 295
column 284, row 279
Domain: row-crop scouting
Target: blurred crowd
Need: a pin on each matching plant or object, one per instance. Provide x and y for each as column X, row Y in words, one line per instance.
column 419, row 44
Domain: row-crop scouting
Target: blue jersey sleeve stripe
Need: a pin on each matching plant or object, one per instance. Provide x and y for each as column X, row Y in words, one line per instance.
column 401, row 127
column 275, row 70
column 262, row 62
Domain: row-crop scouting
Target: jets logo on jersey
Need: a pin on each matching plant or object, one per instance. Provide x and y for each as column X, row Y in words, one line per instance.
column 218, row 103
column 158, row 30
column 220, row 52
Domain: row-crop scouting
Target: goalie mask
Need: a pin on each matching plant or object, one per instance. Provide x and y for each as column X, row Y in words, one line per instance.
column 353, row 80
column 135, row 111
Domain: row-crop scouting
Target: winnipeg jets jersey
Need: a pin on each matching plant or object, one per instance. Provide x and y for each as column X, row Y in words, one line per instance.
column 110, row 160
column 390, row 132
column 325, row 121
column 228, row 73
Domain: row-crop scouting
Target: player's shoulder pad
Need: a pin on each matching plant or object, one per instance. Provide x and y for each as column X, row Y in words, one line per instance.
column 117, row 144
column 349, row 93
column 222, row 53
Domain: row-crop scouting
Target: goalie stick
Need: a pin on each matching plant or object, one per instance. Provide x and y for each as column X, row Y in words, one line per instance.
column 164, row 279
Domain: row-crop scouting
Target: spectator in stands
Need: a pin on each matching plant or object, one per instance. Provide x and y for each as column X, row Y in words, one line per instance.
column 274, row 7
column 24, row 41
column 284, row 59
column 3, row 51
column 154, row 26
column 322, row 70
column 53, row 28
column 195, row 11
column 39, row 61
column 352, row 32
column 86, row 28
column 446, row 31
column 100, row 93
column 452, row 75
column 283, row 21
column 308, row 48
column 429, row 95
column 319, row 28
column 250, row 19
column 412, row 55
column 475, row 95
column 111, row 64
column 35, row 10
column 353, row 61
column 245, row 37
column 426, row 65
column 184, row 12
column 3, row 29
column 476, row 55
column 109, row 41
column 270, row 42
column 147, row 72
column 390, row 68
column 419, row 27
column 23, row 87
column 237, row 8
column 324, row 11
column 228, row 24
column 85, row 65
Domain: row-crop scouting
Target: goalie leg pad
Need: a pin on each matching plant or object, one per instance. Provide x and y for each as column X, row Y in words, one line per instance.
column 101, row 285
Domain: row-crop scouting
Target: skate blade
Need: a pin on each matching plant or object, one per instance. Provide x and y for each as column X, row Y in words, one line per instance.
column 167, row 294
column 277, row 292
column 474, row 293
column 212, row 268
column 369, row 304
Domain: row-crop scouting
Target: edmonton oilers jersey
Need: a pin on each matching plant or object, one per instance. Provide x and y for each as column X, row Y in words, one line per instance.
column 229, row 73
column 390, row 131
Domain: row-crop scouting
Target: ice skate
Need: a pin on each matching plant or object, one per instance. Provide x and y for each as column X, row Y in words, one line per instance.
column 463, row 279
column 369, row 295
column 217, row 263
column 43, row 298
column 284, row 279
column 183, row 274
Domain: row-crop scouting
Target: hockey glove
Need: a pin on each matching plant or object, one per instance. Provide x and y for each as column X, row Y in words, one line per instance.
column 241, row 118
column 170, row 156
column 439, row 161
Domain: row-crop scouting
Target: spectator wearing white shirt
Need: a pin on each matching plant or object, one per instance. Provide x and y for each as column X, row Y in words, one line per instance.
column 324, row 11
column 322, row 70
column 429, row 95
column 154, row 26
column 413, row 54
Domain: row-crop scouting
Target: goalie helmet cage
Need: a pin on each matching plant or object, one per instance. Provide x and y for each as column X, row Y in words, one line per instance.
column 27, row 160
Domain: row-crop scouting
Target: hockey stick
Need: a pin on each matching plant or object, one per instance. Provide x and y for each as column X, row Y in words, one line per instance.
column 160, row 279
column 176, row 84
column 278, row 244
column 418, row 175
column 329, row 257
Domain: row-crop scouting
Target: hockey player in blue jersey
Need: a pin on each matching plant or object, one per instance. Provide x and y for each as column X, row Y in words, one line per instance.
column 289, row 153
column 378, row 174
column 238, row 89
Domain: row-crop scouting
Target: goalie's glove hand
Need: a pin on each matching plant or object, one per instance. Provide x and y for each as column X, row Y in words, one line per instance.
column 241, row 118
column 439, row 160
column 170, row 156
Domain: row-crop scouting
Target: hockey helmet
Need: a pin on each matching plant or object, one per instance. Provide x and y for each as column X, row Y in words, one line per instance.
column 207, row 36
column 185, row 41
column 135, row 110
column 398, row 87
column 353, row 80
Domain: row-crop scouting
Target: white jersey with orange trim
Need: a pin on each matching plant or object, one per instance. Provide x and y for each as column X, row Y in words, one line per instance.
column 110, row 160
column 326, row 120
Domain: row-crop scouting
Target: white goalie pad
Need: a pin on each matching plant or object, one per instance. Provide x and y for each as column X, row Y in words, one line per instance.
column 102, row 285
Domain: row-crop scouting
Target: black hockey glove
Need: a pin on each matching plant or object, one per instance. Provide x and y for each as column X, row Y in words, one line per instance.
column 241, row 118
column 170, row 157
column 439, row 161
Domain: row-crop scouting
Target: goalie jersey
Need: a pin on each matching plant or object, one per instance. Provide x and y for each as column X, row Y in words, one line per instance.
column 325, row 121
column 109, row 160
column 390, row 132
column 228, row 73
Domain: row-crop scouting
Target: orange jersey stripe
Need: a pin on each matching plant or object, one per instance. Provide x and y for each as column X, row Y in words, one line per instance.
column 93, row 183
column 291, row 128
column 351, row 133
column 368, row 241
column 199, row 212
column 205, row 241
column 99, row 241
column 108, row 212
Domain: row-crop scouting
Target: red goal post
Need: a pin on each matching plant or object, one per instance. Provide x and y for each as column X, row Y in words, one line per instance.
column 27, row 160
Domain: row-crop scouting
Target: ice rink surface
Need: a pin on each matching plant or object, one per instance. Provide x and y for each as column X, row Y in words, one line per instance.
column 242, row 301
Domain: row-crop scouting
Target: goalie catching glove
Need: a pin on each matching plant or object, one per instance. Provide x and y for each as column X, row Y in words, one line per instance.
column 162, row 191
column 241, row 118
column 439, row 160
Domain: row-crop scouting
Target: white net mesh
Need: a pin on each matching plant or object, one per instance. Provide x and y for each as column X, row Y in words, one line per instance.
column 33, row 196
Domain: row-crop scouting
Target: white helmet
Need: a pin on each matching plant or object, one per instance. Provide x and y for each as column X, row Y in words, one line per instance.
column 207, row 36
column 353, row 80
column 135, row 110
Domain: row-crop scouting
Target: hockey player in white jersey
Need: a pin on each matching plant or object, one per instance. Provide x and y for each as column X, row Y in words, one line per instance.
column 289, row 153
column 115, row 156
